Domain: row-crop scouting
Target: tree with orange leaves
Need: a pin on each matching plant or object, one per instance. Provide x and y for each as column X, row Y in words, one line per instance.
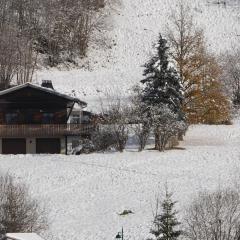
column 212, row 104
column 199, row 71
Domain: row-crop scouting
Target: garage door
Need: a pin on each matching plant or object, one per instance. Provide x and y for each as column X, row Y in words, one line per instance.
column 14, row 146
column 48, row 145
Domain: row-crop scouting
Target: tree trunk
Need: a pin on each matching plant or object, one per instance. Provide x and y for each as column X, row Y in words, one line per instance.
column 157, row 140
column 180, row 136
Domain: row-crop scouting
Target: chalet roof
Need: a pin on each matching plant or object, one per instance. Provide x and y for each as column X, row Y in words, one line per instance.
column 48, row 90
column 23, row 236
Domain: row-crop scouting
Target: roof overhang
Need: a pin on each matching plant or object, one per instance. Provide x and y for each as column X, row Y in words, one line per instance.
column 23, row 236
column 47, row 90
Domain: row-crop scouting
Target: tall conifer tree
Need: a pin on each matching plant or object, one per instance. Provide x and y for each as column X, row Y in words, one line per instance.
column 162, row 82
column 162, row 93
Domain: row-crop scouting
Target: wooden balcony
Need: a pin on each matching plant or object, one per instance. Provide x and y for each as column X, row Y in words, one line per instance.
column 45, row 130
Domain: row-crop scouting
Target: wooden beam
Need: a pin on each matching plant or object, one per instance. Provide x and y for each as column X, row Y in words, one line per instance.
column 66, row 143
column 70, row 111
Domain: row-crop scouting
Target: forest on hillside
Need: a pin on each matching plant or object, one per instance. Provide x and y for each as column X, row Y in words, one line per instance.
column 58, row 30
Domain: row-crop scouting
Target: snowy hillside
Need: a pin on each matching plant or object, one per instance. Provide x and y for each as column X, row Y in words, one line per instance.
column 84, row 194
column 134, row 26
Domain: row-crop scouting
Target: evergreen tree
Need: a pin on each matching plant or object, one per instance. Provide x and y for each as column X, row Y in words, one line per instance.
column 162, row 91
column 165, row 221
column 162, row 82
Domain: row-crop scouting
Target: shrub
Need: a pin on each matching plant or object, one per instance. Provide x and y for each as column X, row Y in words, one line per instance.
column 18, row 211
column 104, row 140
column 87, row 147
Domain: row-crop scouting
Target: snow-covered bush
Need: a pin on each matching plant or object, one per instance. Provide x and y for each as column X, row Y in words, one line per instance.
column 104, row 139
column 86, row 147
column 142, row 133
column 166, row 125
column 116, row 119
column 118, row 130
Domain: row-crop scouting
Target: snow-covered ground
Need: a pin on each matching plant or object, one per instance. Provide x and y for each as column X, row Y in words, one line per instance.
column 134, row 27
column 84, row 194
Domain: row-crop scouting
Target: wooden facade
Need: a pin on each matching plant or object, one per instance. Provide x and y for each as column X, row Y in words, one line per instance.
column 44, row 130
column 33, row 106
column 33, row 112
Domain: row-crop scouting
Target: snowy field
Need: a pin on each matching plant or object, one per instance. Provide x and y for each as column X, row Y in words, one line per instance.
column 84, row 194
column 133, row 28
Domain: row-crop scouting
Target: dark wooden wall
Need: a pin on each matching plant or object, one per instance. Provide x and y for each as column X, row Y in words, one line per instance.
column 33, row 106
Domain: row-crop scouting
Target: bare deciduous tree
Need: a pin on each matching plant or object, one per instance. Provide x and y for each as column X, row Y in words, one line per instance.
column 231, row 75
column 18, row 211
column 187, row 46
column 59, row 29
column 17, row 57
column 8, row 55
column 68, row 27
column 26, row 61
column 140, row 120
column 141, row 127
column 116, row 118
column 214, row 215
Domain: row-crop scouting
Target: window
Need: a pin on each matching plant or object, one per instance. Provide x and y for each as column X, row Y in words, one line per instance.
column 11, row 118
column 37, row 118
column 29, row 117
column 48, row 118
column 85, row 119
column 75, row 119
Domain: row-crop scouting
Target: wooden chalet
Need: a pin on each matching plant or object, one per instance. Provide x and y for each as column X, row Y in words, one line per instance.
column 35, row 119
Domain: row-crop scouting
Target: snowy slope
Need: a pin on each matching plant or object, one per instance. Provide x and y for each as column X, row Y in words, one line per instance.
column 134, row 27
column 84, row 194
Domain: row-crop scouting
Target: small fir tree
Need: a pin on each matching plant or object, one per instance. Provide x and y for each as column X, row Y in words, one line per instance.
column 165, row 222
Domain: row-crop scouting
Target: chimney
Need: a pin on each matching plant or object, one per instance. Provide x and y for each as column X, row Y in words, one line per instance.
column 47, row 84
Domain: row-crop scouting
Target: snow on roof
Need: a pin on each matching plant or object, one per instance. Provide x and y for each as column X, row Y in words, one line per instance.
column 23, row 236
column 48, row 90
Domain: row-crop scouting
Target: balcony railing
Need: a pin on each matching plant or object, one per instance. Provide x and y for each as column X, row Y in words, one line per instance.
column 45, row 130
